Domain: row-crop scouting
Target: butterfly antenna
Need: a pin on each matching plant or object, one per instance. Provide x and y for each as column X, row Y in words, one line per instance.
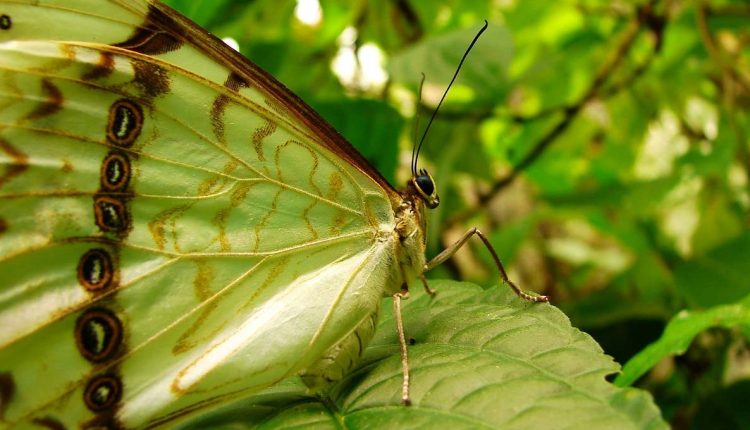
column 434, row 113
column 416, row 129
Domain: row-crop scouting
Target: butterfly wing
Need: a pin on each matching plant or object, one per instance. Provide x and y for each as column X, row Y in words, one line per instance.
column 176, row 227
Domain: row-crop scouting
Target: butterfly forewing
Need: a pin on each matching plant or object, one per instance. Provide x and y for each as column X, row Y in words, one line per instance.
column 175, row 227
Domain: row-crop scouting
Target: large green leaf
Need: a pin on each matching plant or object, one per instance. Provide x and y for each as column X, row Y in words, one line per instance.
column 371, row 125
column 485, row 75
column 479, row 359
column 680, row 332
column 719, row 276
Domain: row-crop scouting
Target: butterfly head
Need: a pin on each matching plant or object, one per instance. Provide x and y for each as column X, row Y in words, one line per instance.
column 422, row 181
column 425, row 187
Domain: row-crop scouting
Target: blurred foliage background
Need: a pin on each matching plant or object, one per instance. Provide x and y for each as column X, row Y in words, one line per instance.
column 603, row 146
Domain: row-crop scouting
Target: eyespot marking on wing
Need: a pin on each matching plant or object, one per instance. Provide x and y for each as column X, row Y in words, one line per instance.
column 102, row 393
column 98, row 334
column 115, row 172
column 95, row 270
column 111, row 215
column 125, row 123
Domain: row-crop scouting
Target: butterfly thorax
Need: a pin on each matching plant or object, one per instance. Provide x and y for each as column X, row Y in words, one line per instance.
column 411, row 225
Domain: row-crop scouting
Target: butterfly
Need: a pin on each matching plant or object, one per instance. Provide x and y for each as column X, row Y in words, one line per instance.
column 177, row 228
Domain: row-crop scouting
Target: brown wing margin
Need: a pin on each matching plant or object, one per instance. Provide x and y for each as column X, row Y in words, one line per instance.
column 170, row 21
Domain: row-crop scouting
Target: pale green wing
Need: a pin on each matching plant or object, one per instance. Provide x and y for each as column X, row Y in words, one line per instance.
column 176, row 228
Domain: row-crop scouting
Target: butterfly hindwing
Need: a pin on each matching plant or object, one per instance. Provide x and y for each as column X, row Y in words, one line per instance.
column 175, row 227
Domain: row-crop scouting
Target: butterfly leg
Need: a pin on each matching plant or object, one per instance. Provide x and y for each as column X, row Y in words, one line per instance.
column 403, row 294
column 449, row 251
column 427, row 288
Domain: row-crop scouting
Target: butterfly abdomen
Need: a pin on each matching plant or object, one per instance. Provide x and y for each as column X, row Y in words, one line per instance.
column 341, row 357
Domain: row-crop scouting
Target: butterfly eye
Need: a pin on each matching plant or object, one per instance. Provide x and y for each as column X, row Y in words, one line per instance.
column 425, row 185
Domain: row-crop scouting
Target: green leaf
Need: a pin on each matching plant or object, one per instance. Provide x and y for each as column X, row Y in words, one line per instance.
column 680, row 332
column 479, row 359
column 371, row 126
column 718, row 277
column 484, row 74
column 202, row 12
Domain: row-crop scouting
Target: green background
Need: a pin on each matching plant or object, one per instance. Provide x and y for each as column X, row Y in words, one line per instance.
column 603, row 147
